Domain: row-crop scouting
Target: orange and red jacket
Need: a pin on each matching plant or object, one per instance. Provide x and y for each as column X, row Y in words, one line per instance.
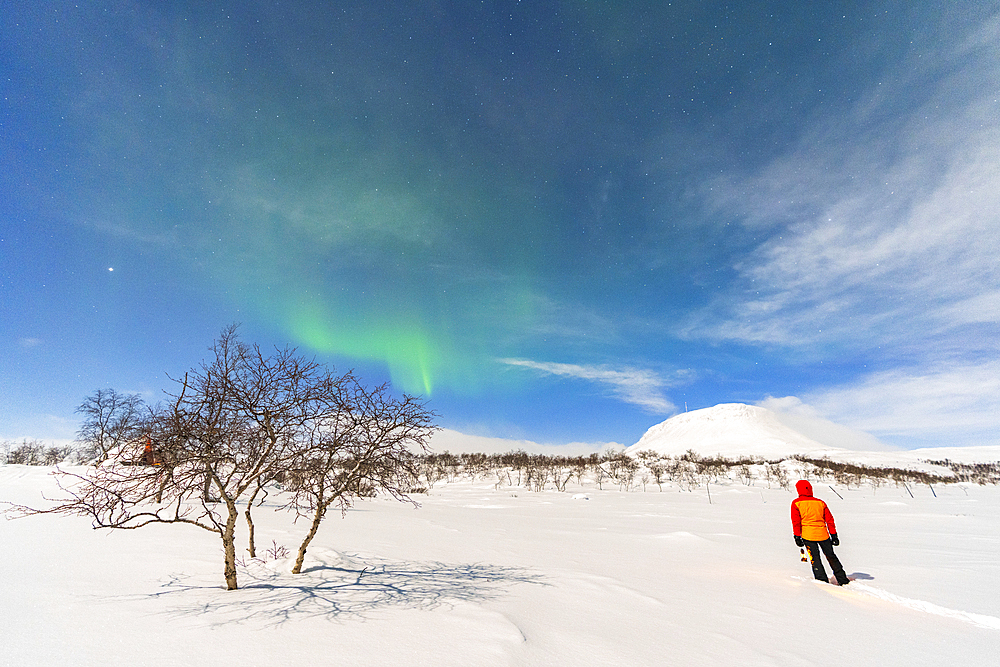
column 811, row 518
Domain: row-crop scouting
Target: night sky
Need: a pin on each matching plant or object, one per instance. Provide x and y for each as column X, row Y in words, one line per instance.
column 556, row 220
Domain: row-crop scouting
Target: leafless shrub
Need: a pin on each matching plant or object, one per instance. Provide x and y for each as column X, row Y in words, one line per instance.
column 110, row 420
column 367, row 449
column 689, row 471
column 977, row 473
column 35, row 453
column 622, row 468
column 845, row 473
column 775, row 473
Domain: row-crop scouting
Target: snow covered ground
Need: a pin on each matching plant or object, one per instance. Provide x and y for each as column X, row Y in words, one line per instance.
column 485, row 576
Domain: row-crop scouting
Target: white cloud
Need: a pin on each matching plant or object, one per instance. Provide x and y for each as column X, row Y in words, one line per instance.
column 574, row 323
column 29, row 343
column 51, row 429
column 882, row 263
column 631, row 385
column 805, row 419
column 461, row 443
column 941, row 406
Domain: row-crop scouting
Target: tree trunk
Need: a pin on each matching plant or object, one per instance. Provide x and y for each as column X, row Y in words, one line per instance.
column 206, row 494
column 317, row 519
column 253, row 497
column 252, row 548
column 229, row 546
column 159, row 491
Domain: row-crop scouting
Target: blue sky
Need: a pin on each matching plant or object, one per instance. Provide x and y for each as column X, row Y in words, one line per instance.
column 558, row 221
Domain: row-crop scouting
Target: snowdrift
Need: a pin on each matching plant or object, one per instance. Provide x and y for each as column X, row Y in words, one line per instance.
column 502, row 577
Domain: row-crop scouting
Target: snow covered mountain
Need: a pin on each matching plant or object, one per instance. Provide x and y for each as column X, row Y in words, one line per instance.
column 732, row 430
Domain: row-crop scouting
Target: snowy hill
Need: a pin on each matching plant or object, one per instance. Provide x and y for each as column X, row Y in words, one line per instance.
column 730, row 430
column 733, row 430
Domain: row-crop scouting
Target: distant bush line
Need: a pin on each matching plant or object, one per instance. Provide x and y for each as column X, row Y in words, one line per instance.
column 36, row 453
column 540, row 472
column 977, row 473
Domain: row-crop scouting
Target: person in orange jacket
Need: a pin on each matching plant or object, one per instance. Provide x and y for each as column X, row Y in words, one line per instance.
column 815, row 530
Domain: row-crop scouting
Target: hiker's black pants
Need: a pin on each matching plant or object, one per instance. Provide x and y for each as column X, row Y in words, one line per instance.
column 817, row 565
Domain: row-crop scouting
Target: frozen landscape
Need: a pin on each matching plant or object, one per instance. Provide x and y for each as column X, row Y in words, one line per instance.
column 489, row 574
column 254, row 254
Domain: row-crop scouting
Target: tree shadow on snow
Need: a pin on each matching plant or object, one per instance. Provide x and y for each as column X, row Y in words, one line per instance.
column 349, row 588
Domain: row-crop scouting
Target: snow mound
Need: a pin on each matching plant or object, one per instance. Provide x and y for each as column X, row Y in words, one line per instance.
column 731, row 430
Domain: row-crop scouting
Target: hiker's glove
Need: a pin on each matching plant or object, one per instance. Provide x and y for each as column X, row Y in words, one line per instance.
column 799, row 542
column 835, row 540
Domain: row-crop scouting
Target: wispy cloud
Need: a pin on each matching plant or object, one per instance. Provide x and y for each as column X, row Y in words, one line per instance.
column 571, row 323
column 938, row 406
column 635, row 386
column 457, row 442
column 882, row 225
column 807, row 420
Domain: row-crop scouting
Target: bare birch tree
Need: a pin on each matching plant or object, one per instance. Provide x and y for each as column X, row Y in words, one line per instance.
column 110, row 420
column 371, row 450
column 231, row 425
